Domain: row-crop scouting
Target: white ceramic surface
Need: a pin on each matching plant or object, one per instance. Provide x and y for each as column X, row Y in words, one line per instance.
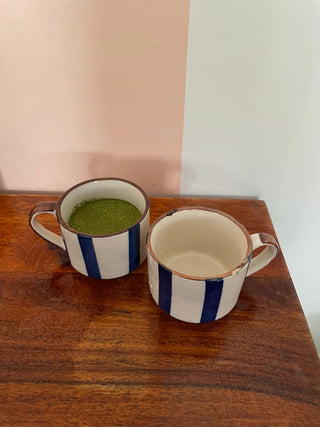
column 100, row 256
column 198, row 259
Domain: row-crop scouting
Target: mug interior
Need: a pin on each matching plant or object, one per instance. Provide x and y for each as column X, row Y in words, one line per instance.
column 199, row 243
column 101, row 188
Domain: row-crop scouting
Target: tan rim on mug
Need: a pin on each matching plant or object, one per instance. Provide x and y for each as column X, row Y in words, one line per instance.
column 198, row 259
column 100, row 256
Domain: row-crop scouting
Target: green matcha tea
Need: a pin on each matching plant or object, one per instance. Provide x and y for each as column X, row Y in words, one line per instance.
column 103, row 216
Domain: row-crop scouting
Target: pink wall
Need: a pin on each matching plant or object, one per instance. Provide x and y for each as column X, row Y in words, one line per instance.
column 92, row 88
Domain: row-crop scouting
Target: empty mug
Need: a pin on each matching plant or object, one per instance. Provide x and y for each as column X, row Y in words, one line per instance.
column 104, row 256
column 198, row 259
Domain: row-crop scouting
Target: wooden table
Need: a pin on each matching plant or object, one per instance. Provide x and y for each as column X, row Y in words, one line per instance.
column 81, row 351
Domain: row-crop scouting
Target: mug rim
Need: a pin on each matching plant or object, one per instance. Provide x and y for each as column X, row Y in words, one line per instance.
column 202, row 208
column 65, row 225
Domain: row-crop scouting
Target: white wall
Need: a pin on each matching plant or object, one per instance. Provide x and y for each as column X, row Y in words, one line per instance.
column 252, row 120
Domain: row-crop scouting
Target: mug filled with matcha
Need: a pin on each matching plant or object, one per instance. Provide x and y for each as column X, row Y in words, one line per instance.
column 103, row 216
column 104, row 224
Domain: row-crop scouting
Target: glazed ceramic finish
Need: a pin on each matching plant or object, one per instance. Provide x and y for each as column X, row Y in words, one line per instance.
column 100, row 256
column 198, row 259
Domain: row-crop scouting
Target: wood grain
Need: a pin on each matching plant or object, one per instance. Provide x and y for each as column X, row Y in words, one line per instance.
column 81, row 351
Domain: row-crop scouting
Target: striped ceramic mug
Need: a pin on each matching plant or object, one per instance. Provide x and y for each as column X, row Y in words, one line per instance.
column 198, row 259
column 100, row 256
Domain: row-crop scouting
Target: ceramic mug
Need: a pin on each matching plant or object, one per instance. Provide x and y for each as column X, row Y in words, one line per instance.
column 198, row 259
column 100, row 256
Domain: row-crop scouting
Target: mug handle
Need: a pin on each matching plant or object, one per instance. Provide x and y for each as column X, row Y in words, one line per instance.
column 49, row 208
column 269, row 252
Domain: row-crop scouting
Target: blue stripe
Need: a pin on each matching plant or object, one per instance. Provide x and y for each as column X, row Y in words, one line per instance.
column 89, row 256
column 165, row 288
column 211, row 300
column 134, row 247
